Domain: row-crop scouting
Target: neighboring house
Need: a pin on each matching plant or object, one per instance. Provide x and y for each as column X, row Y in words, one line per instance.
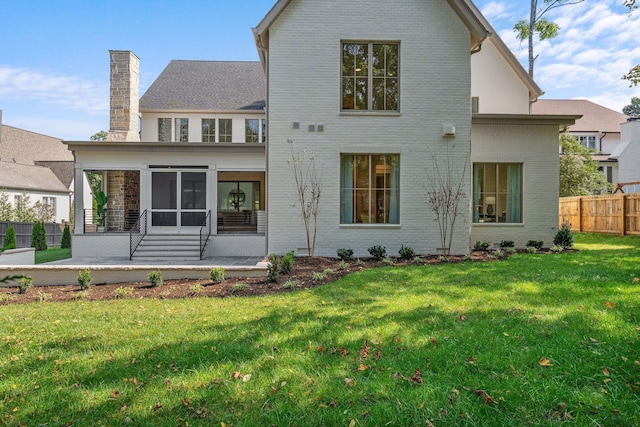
column 598, row 129
column 40, row 166
column 381, row 100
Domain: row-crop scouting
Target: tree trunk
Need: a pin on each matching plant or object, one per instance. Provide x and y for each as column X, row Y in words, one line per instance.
column 532, row 25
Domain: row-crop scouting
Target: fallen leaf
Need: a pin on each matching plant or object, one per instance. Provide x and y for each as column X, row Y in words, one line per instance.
column 610, row 304
column 605, row 371
column 364, row 350
column 593, row 340
column 343, row 351
column 544, row 362
column 319, row 349
column 352, row 423
column 350, row 382
column 416, row 378
column 246, row 378
column 462, row 317
column 505, row 334
column 378, row 354
column 362, row 367
column 471, row 360
column 487, row 399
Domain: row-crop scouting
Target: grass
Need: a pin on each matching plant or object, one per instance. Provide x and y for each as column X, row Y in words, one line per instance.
column 52, row 254
column 535, row 340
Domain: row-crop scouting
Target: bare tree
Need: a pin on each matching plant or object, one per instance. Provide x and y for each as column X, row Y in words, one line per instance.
column 445, row 189
column 538, row 24
column 308, row 186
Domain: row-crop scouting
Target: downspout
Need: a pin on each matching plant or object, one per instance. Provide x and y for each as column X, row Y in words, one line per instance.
column 601, row 138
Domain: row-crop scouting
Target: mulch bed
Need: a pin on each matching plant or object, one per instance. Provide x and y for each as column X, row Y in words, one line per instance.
column 302, row 273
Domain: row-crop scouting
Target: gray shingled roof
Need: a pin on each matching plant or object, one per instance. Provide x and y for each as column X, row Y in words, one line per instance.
column 63, row 170
column 595, row 118
column 26, row 147
column 26, row 177
column 207, row 85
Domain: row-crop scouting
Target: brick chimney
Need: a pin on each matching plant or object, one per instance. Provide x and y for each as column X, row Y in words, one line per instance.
column 124, row 96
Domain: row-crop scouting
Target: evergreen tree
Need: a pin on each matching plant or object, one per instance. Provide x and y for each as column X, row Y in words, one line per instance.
column 39, row 236
column 633, row 109
column 6, row 207
column 10, row 238
column 66, row 237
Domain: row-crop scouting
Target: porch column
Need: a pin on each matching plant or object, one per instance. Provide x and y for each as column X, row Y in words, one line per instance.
column 78, row 199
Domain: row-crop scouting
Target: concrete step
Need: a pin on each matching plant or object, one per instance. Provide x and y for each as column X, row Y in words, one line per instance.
column 183, row 247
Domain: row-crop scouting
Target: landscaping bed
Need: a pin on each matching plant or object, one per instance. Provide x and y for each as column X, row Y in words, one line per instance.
column 301, row 277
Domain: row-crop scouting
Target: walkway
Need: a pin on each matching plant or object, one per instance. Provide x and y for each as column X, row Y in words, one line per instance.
column 120, row 270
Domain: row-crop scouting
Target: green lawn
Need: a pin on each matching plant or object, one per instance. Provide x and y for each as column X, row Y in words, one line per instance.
column 534, row 340
column 52, row 254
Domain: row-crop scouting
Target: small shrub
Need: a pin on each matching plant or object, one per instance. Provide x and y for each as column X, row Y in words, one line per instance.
column 66, row 237
column 345, row 254
column 239, row 287
column 557, row 248
column 497, row 254
column 317, row 276
column 85, row 279
column 387, row 261
column 343, row 265
column 290, row 284
column 507, row 244
column 481, row 246
column 4, row 298
column 406, row 253
column 537, row 244
column 510, row 250
column 39, row 236
column 43, row 297
column 468, row 257
column 217, row 274
column 532, row 250
column 443, row 258
column 378, row 252
column 273, row 270
column 123, row 292
column 286, row 262
column 564, row 236
column 25, row 284
column 10, row 241
column 196, row 289
column 359, row 262
column 82, row 295
column 328, row 271
column 155, row 277
column 418, row 260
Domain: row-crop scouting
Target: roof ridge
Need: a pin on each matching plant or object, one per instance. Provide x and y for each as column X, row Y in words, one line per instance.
column 30, row 131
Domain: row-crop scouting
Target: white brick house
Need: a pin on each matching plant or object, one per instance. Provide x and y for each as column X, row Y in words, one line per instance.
column 435, row 62
column 383, row 93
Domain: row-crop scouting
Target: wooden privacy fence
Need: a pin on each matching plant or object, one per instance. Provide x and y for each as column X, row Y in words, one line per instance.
column 608, row 213
column 23, row 233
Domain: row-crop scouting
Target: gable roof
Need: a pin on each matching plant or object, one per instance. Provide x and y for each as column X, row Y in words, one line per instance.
column 26, row 147
column 466, row 10
column 20, row 177
column 595, row 118
column 207, row 86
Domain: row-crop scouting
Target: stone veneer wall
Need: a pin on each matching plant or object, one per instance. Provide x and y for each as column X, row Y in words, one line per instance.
column 124, row 96
column 115, row 192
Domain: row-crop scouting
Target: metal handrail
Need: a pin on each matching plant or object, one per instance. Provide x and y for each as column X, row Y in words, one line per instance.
column 205, row 226
column 137, row 233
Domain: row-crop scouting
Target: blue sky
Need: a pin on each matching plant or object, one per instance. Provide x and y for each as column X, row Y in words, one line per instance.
column 54, row 61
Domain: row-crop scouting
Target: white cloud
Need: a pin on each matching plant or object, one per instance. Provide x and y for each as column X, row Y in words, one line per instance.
column 596, row 45
column 65, row 91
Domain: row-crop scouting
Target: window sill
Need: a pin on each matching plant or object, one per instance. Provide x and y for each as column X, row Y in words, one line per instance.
column 370, row 226
column 370, row 113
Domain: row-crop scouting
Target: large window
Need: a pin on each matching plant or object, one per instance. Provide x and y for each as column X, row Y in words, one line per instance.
column 497, row 192
column 369, row 189
column 370, row 76
column 164, row 130
column 208, row 130
column 225, row 130
column 251, row 130
column 182, row 130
